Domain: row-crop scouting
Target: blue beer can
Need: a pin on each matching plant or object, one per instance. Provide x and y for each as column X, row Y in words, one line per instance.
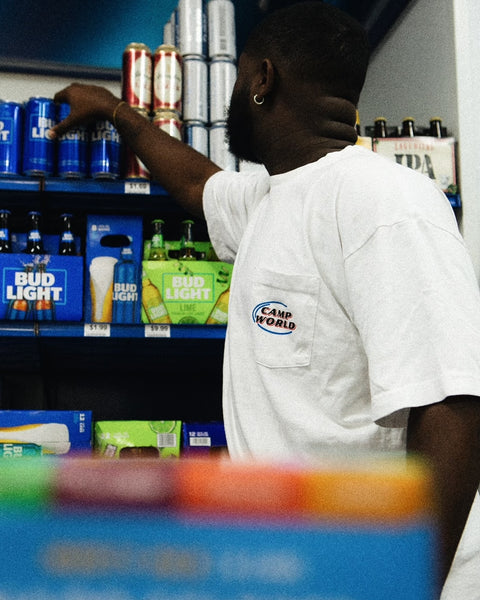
column 11, row 125
column 105, row 148
column 38, row 148
column 125, row 288
column 72, row 148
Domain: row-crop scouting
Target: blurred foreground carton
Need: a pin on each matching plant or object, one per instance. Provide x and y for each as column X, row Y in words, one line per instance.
column 215, row 530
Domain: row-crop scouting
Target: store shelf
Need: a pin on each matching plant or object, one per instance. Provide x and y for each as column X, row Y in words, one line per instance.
column 107, row 330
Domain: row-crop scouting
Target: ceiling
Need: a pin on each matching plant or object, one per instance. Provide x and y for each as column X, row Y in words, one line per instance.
column 86, row 38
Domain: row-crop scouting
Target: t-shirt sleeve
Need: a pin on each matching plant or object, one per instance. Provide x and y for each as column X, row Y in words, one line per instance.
column 415, row 301
column 229, row 199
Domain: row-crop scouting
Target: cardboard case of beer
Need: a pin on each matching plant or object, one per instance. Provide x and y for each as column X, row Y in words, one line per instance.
column 182, row 292
column 434, row 157
column 40, row 287
column 132, row 439
column 204, row 438
column 113, row 268
column 44, row 432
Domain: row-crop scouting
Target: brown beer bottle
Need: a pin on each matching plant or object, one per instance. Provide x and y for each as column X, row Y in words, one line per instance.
column 380, row 128
column 408, row 127
column 436, row 127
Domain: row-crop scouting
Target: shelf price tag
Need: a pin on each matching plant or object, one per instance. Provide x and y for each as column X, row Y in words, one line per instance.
column 157, row 331
column 137, row 187
column 96, row 330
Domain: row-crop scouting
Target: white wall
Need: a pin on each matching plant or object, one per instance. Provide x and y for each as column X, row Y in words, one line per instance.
column 19, row 87
column 429, row 64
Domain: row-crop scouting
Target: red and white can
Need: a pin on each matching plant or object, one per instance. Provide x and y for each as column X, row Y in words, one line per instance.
column 221, row 29
column 223, row 73
column 137, row 76
column 167, row 79
column 134, row 167
column 195, row 89
column 170, row 122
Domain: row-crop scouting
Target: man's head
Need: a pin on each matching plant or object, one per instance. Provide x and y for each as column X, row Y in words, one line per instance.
column 315, row 49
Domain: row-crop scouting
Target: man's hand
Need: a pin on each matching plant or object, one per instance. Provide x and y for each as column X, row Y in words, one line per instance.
column 88, row 103
column 447, row 436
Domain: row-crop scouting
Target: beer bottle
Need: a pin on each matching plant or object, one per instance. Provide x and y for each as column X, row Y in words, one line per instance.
column 34, row 238
column 67, row 241
column 436, row 127
column 125, row 291
column 187, row 246
column 44, row 308
column 19, row 309
column 157, row 247
column 5, row 231
column 380, row 128
column 153, row 303
column 408, row 127
column 219, row 314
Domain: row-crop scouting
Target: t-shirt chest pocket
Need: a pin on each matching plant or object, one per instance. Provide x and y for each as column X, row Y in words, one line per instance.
column 283, row 311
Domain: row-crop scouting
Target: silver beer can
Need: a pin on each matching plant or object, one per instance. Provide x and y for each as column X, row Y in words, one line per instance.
column 223, row 73
column 221, row 29
column 195, row 134
column 218, row 147
column 191, row 19
column 195, row 89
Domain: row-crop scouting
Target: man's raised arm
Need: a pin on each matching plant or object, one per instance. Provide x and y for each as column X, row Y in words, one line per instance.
column 180, row 169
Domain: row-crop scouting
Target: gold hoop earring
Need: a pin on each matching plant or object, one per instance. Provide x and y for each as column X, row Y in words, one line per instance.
column 257, row 100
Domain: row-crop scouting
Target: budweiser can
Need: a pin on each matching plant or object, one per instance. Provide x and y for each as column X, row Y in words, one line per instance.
column 223, row 74
column 195, row 89
column 167, row 79
column 134, row 167
column 195, row 134
column 221, row 29
column 191, row 21
column 137, row 76
column 38, row 147
column 219, row 151
column 169, row 122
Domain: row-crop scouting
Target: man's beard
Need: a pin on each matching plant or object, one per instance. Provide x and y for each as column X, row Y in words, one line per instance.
column 240, row 127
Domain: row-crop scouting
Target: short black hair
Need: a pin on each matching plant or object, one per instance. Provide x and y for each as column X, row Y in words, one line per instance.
column 317, row 43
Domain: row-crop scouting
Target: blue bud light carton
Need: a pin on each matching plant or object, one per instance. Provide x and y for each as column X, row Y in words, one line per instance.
column 105, row 151
column 38, row 148
column 114, row 248
column 72, row 148
column 11, row 131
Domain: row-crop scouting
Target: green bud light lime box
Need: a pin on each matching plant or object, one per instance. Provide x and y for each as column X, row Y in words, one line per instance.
column 40, row 287
column 113, row 256
column 179, row 292
column 44, row 432
column 131, row 439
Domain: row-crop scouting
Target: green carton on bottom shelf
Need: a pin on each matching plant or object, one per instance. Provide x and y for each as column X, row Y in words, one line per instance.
column 132, row 439
column 181, row 292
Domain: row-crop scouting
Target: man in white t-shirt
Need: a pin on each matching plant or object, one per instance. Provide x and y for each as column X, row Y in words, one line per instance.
column 354, row 318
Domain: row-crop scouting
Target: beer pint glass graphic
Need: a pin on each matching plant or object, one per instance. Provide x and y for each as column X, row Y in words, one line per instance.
column 53, row 438
column 101, row 288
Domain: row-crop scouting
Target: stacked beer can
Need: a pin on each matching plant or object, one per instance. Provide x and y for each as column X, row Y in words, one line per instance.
column 192, row 75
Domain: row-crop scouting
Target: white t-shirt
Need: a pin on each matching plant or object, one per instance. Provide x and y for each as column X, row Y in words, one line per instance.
column 353, row 298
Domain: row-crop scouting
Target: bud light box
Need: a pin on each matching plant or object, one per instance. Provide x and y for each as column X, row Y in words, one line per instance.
column 113, row 268
column 181, row 292
column 40, row 287
column 204, row 439
column 25, row 433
